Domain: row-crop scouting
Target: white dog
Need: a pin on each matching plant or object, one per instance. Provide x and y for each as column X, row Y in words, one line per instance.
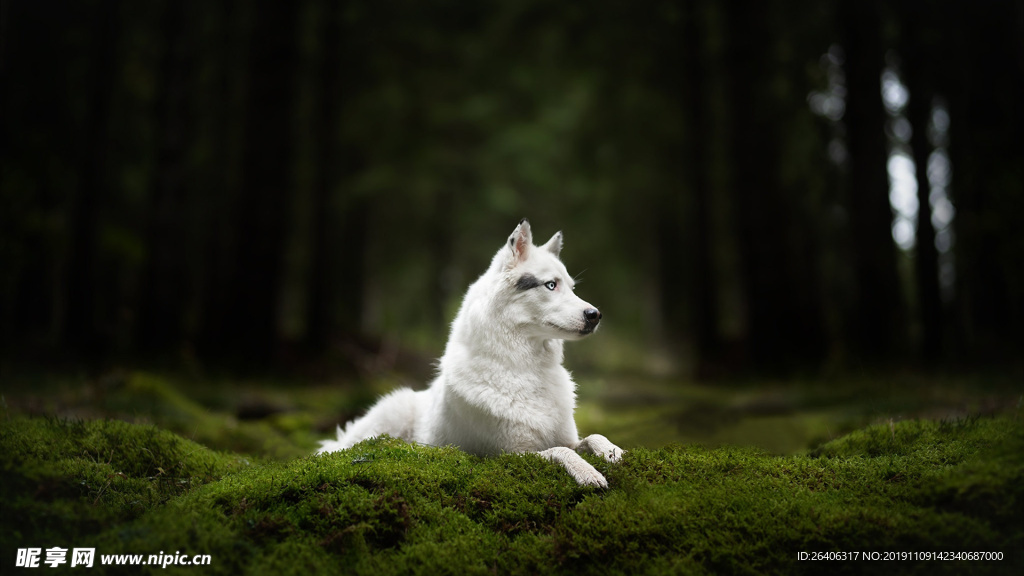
column 501, row 385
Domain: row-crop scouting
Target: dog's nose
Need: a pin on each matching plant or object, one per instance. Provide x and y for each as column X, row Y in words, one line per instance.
column 592, row 315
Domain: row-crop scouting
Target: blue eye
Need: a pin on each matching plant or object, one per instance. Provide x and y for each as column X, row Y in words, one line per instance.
column 550, row 284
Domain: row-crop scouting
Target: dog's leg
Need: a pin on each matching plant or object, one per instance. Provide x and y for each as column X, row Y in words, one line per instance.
column 597, row 444
column 576, row 466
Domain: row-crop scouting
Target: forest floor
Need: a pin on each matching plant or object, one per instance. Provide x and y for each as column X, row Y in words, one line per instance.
column 902, row 474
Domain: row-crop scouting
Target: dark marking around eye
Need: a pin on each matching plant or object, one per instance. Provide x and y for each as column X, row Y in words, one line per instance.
column 526, row 282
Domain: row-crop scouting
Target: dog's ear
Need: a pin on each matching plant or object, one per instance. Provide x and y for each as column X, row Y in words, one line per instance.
column 520, row 243
column 555, row 244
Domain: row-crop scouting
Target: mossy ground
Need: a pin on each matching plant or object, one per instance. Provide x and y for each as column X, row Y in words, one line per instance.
column 386, row 506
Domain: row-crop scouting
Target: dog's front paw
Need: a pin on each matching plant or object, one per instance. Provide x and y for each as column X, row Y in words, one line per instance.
column 590, row 478
column 581, row 471
column 614, row 454
column 599, row 445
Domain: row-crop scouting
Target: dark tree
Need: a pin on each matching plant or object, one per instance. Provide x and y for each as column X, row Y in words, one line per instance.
column 163, row 286
column 985, row 91
column 673, row 277
column 874, row 318
column 38, row 105
column 319, row 322
column 218, row 96
column 783, row 308
column 250, row 326
column 682, row 214
column 336, row 275
column 919, row 57
column 696, row 62
column 82, row 325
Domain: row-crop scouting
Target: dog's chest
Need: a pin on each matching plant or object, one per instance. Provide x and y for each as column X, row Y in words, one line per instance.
column 521, row 394
column 500, row 413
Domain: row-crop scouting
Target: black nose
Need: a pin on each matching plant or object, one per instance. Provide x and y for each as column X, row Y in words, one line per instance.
column 592, row 315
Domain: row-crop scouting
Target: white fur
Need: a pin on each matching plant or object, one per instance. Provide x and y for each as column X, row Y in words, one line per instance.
column 501, row 386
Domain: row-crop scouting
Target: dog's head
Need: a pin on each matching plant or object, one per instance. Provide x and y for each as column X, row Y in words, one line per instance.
column 537, row 291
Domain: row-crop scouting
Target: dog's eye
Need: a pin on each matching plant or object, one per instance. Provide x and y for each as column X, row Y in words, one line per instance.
column 550, row 284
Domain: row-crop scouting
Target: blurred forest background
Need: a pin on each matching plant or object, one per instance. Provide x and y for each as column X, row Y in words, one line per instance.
column 758, row 187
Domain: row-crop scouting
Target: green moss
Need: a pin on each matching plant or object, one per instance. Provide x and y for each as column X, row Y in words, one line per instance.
column 65, row 477
column 147, row 397
column 386, row 506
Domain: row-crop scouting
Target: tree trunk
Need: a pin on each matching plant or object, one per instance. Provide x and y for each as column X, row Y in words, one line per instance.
column 337, row 263
column 926, row 257
column 874, row 323
column 704, row 298
column 783, row 324
column 251, row 312
column 319, row 313
column 82, row 328
column 162, row 299
column 986, row 153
